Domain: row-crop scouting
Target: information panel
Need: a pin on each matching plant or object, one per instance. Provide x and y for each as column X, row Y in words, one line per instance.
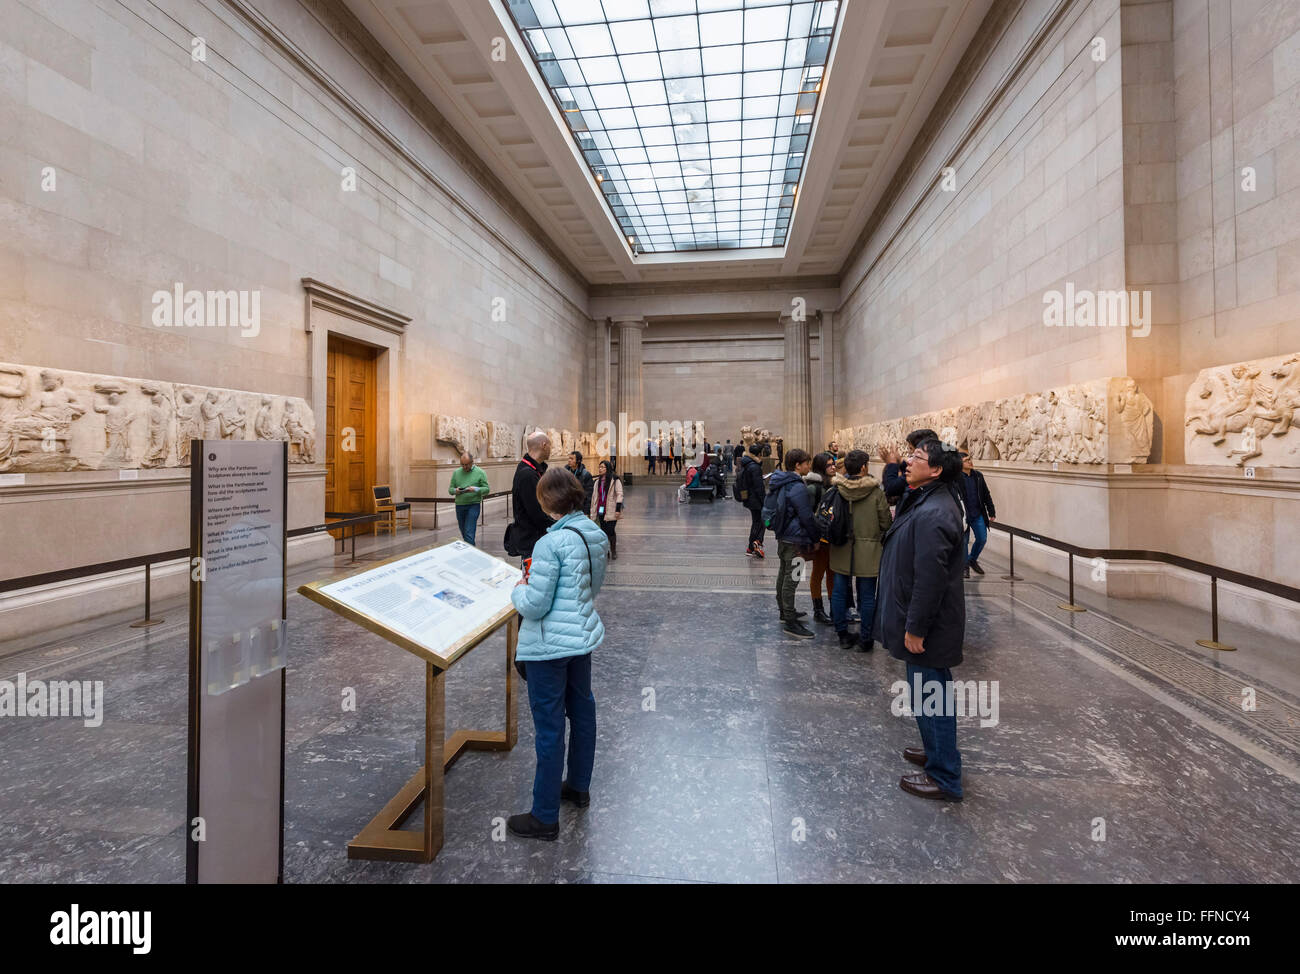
column 436, row 598
column 237, row 658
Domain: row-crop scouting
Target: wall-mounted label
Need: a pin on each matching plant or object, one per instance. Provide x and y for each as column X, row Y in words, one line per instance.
column 1250, row 473
column 128, row 475
column 12, row 479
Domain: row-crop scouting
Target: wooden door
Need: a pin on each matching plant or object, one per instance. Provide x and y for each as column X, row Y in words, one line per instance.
column 350, row 425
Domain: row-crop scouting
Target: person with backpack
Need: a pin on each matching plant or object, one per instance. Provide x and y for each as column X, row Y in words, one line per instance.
column 559, row 631
column 790, row 515
column 856, row 519
column 818, row 481
column 750, row 490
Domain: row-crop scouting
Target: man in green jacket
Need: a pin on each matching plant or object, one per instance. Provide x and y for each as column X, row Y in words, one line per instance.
column 469, row 485
column 857, row 561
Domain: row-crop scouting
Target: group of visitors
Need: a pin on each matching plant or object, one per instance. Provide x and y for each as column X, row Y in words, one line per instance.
column 666, row 451
column 904, row 569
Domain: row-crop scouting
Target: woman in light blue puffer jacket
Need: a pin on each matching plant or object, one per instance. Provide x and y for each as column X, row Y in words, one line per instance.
column 560, row 628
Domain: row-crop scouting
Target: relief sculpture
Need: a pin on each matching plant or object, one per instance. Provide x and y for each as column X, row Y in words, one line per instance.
column 1103, row 421
column 55, row 420
column 1245, row 414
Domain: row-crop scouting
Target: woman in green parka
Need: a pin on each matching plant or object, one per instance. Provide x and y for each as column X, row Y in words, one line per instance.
column 859, row 557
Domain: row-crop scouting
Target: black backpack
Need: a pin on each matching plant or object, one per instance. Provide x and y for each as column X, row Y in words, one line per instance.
column 739, row 488
column 774, row 513
column 834, row 518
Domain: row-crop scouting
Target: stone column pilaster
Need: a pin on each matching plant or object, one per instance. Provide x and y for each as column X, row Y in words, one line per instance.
column 796, row 401
column 631, row 400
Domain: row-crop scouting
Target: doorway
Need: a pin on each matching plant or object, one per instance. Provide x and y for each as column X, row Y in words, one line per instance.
column 351, row 434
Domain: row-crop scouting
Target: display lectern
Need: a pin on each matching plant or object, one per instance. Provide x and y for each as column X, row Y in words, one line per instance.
column 438, row 604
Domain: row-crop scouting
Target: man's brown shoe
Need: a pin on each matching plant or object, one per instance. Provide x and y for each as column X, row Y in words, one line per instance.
column 915, row 754
column 923, row 786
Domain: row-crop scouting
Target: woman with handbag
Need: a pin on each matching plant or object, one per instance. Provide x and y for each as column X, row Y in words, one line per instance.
column 560, row 629
column 607, row 504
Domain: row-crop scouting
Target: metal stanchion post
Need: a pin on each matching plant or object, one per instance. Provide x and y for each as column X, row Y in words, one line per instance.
column 147, row 621
column 1070, row 606
column 1011, row 548
column 1213, row 641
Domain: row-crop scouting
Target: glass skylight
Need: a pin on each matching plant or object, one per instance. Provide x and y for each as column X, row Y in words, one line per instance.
column 694, row 115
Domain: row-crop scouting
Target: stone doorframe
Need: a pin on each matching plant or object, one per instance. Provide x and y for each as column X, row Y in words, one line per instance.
column 332, row 311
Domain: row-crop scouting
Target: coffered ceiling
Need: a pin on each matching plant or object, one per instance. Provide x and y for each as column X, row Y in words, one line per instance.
column 889, row 62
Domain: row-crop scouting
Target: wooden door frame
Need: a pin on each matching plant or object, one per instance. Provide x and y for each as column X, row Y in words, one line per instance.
column 331, row 311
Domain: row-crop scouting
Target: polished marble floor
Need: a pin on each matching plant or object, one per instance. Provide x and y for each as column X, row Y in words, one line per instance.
column 763, row 759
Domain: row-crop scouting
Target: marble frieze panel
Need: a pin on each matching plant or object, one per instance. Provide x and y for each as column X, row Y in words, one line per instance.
column 1105, row 420
column 56, row 420
column 1245, row 414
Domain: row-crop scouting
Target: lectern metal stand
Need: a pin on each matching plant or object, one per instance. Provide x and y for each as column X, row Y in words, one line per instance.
column 384, row 837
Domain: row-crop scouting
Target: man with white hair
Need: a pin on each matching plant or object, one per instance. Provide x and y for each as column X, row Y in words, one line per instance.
column 530, row 521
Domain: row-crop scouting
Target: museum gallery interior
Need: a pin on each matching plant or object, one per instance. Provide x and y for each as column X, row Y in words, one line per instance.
column 304, row 304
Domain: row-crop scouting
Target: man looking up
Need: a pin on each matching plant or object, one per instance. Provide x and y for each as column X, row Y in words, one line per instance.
column 922, row 611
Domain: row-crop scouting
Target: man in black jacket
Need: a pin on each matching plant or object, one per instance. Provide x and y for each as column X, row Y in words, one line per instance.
column 752, row 492
column 922, row 612
column 584, row 478
column 894, row 478
column 980, row 512
column 796, row 537
column 530, row 521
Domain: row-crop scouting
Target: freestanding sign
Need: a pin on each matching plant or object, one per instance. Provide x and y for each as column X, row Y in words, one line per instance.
column 235, row 817
column 438, row 604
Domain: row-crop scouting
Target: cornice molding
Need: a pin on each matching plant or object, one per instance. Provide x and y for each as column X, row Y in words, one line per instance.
column 322, row 295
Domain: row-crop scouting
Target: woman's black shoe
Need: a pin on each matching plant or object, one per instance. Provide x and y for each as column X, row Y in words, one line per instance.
column 580, row 798
column 527, row 827
column 819, row 613
column 846, row 639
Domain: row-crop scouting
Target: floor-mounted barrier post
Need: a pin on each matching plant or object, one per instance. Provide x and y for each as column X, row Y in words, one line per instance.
column 147, row 621
column 1070, row 606
column 1011, row 576
column 1213, row 641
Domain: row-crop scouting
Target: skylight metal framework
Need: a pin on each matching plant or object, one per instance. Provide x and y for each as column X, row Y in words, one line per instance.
column 694, row 115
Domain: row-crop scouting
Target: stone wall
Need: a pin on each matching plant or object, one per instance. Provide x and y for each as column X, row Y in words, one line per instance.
column 945, row 302
column 291, row 152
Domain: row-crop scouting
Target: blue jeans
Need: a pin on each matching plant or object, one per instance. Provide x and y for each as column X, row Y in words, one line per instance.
column 556, row 688
column 981, row 537
column 938, row 732
column 840, row 604
column 467, row 520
